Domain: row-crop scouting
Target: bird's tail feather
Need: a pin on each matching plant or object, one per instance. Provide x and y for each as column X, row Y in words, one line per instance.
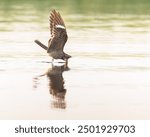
column 41, row 44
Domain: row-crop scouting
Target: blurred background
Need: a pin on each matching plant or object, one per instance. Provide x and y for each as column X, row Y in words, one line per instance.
column 107, row 77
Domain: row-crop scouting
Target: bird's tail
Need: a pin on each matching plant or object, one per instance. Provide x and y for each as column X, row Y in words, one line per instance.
column 41, row 44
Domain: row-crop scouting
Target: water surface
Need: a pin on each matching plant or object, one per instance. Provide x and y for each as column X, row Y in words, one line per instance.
column 107, row 77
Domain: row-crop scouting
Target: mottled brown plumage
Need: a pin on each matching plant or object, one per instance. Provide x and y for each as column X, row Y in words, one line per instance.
column 58, row 37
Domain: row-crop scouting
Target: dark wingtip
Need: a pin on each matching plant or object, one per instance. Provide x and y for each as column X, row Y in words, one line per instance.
column 53, row 11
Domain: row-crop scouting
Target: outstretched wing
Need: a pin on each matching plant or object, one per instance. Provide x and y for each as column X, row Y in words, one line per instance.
column 58, row 32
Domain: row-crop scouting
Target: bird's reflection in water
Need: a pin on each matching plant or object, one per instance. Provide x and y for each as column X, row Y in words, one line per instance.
column 56, row 85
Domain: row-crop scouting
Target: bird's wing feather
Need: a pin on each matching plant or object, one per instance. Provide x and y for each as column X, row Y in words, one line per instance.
column 58, row 32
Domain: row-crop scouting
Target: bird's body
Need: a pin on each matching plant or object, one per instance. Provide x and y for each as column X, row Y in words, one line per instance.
column 58, row 37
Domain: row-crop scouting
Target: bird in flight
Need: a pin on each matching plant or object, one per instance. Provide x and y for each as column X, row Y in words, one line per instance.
column 57, row 39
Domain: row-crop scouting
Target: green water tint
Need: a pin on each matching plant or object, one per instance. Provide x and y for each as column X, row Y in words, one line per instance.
column 79, row 6
column 14, row 10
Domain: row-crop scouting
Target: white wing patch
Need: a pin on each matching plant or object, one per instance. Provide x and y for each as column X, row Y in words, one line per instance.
column 60, row 26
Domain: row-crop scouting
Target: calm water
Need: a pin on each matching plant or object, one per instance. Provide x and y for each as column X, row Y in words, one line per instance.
column 108, row 76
